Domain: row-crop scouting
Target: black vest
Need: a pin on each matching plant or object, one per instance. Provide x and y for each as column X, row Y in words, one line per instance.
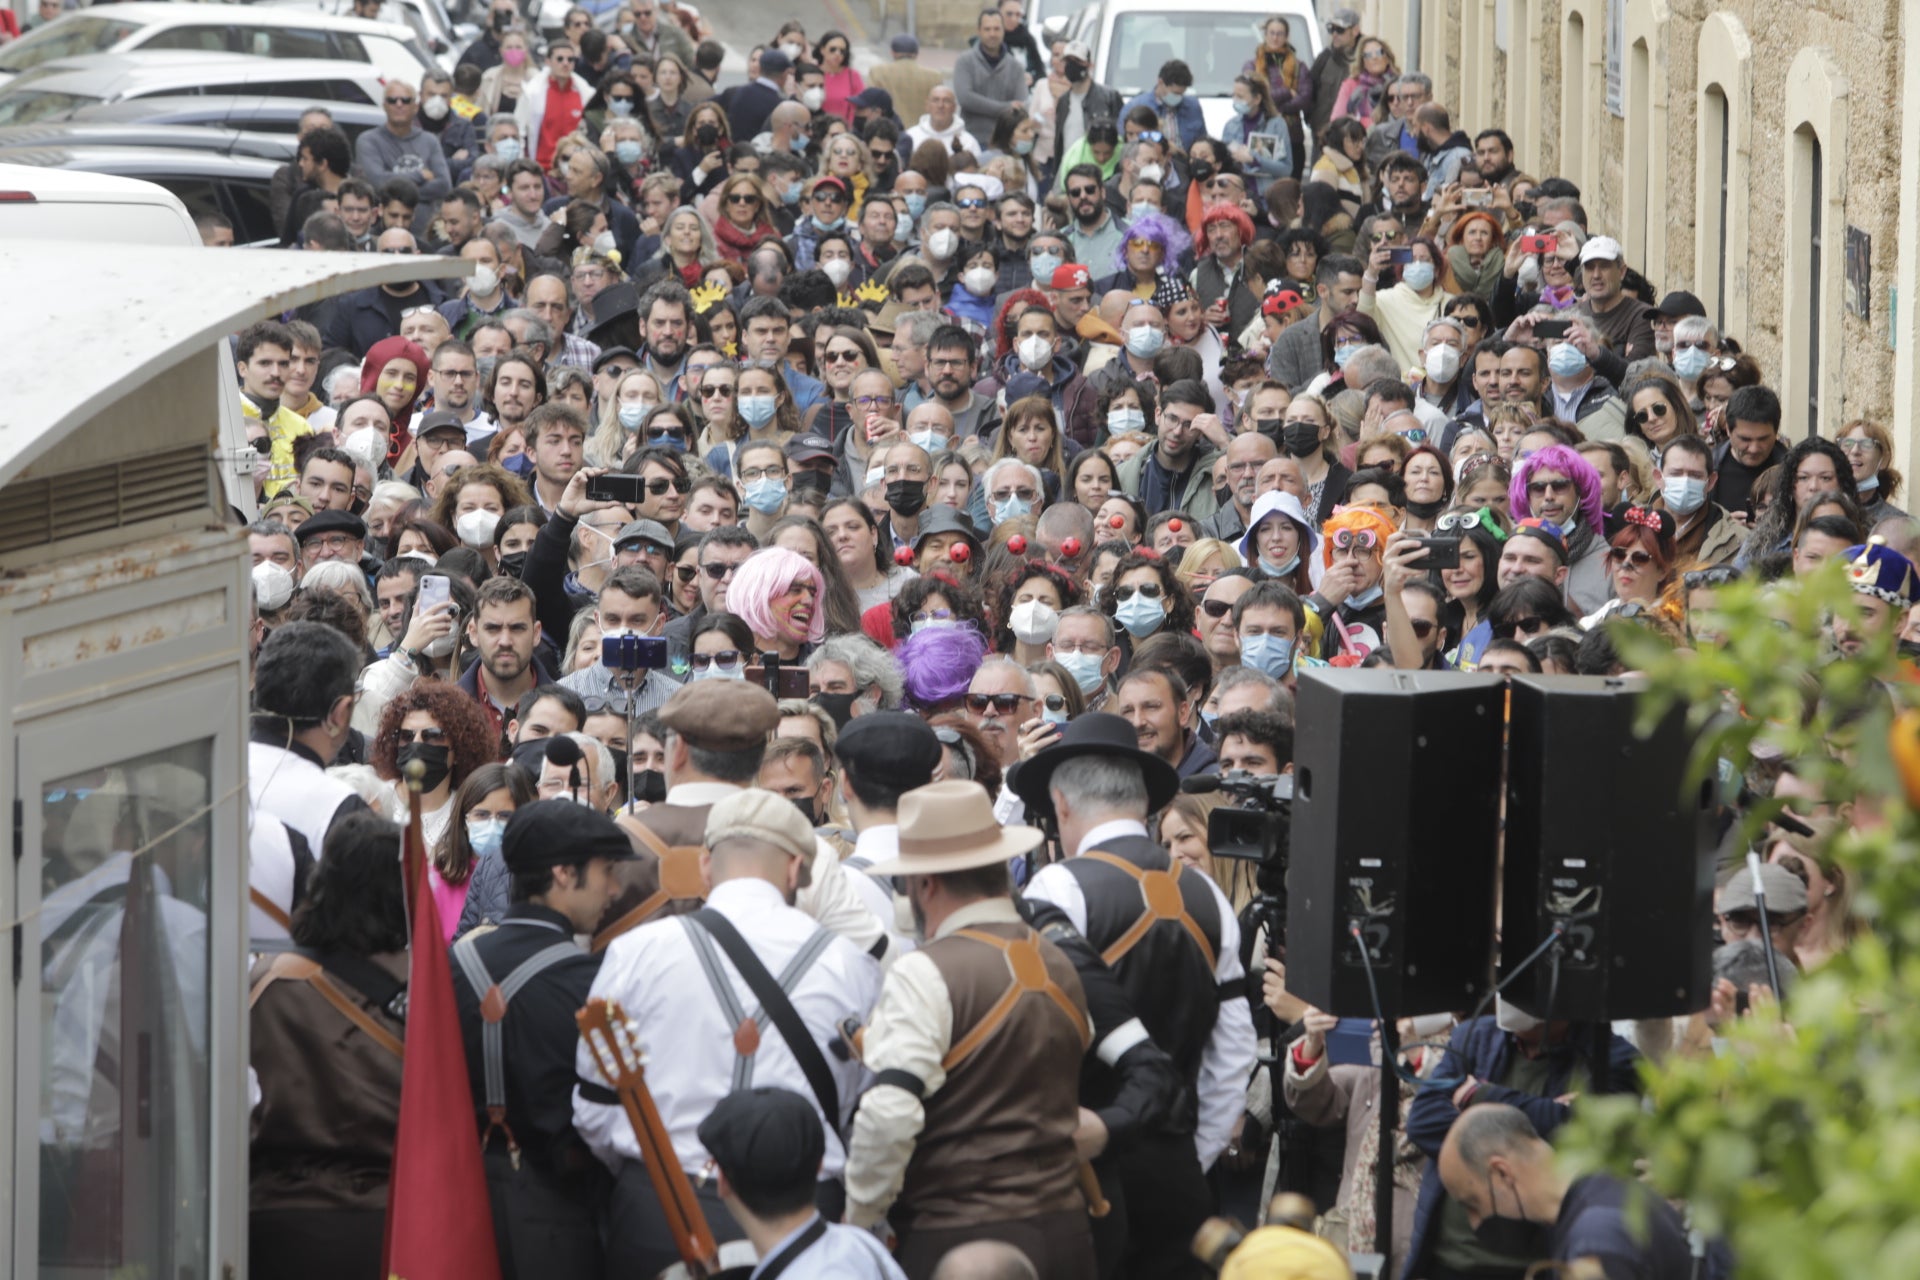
column 1172, row 987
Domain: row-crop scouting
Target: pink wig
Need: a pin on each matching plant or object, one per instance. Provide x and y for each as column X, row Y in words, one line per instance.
column 937, row 664
column 767, row 574
column 1555, row 457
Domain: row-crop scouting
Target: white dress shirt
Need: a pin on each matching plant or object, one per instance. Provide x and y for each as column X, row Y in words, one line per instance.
column 1227, row 1062
column 656, row 976
column 878, row 845
column 843, row 1253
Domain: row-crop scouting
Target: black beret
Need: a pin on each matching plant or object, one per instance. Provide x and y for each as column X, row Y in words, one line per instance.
column 332, row 522
column 890, row 747
column 553, row 833
column 767, row 1141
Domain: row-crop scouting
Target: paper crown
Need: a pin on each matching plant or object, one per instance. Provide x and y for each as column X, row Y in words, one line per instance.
column 706, row 297
column 872, row 291
column 1879, row 571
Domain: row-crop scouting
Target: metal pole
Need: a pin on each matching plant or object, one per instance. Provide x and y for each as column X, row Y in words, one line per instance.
column 1766, row 929
column 1389, row 1121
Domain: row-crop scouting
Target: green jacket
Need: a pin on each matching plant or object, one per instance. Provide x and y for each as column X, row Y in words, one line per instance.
column 1197, row 500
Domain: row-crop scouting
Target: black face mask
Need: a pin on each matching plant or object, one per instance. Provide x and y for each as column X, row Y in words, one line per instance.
column 1203, row 171
column 650, row 785
column 511, row 565
column 377, row 547
column 837, row 705
column 1273, row 429
column 1223, row 494
column 1425, row 510
column 1076, row 72
column 438, row 761
column 1908, row 649
column 1512, row 1237
column 805, row 804
column 813, row 482
column 907, row 497
column 1301, row 439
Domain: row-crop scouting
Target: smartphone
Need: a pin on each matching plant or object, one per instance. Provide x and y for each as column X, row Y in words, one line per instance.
column 1400, row 257
column 1553, row 329
column 1442, row 553
column 631, row 490
column 792, row 681
column 624, row 651
column 434, row 590
column 1539, row 244
column 1477, row 198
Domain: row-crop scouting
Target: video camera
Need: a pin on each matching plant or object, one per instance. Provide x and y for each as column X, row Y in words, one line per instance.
column 1256, row 826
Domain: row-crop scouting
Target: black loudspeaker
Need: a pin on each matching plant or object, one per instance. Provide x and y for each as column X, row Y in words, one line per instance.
column 1396, row 814
column 1601, row 838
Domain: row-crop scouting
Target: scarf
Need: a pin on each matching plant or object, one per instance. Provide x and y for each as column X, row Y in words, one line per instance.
column 379, row 356
column 1481, row 280
column 736, row 243
column 691, row 273
column 1289, row 65
column 1557, row 296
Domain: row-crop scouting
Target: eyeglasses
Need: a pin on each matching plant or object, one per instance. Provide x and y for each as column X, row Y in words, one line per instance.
column 931, row 615
column 1150, row 135
column 408, row 313
column 725, row 660
column 1151, row 590
column 872, row 402
column 677, row 484
column 717, row 570
column 1689, row 346
column 1857, row 444
column 1638, row 557
column 330, row 541
column 1720, row 364
column 1355, row 540
column 1540, row 488
column 971, row 202
column 399, row 102
column 1518, row 626
column 407, row 737
column 1641, row 417
column 1217, row 608
column 1003, row 703
column 1004, row 495
column 948, row 737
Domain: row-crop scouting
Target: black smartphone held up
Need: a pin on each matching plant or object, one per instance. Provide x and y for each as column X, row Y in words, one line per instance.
column 1552, row 329
column 1400, row 257
column 1442, row 553
column 782, row 681
column 624, row 651
column 627, row 489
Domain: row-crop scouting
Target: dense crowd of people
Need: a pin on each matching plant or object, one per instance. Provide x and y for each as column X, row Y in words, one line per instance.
column 807, row 555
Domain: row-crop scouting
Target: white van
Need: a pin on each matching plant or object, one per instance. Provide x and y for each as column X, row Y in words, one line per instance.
column 54, row 204
column 1130, row 40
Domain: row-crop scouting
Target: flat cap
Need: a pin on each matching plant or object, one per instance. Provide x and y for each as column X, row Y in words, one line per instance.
column 904, row 45
column 644, row 531
column 1344, row 19
column 766, row 1140
column 722, row 715
column 613, row 353
column 1785, row 892
column 332, row 522
column 552, row 833
column 441, row 420
column 890, row 746
column 756, row 814
column 774, row 64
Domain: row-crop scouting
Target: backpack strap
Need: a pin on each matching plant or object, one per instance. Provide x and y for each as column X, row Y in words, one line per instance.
column 1027, row 969
column 679, row 878
column 294, row 967
column 1161, row 899
column 270, row 909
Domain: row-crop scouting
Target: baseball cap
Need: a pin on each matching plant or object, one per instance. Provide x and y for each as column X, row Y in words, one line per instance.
column 443, row 421
column 873, row 96
column 1071, row 275
column 1078, row 51
column 1680, row 303
column 1602, row 248
column 808, row 448
column 643, row 531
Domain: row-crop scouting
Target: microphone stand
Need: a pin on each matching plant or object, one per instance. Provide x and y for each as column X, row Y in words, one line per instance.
column 1766, row 929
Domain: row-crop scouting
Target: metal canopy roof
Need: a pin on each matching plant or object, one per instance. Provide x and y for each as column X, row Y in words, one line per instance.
column 116, row 316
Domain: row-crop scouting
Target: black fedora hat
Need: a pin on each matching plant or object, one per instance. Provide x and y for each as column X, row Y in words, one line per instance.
column 1095, row 734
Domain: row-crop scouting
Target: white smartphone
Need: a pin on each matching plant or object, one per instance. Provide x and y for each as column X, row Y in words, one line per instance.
column 434, row 590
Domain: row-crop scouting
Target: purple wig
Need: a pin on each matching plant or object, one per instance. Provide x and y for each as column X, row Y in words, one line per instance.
column 1163, row 231
column 937, row 664
column 1586, row 481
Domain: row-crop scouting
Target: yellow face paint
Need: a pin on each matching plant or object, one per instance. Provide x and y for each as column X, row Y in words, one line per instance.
column 397, row 383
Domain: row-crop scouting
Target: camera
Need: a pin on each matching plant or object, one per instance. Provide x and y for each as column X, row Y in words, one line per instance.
column 778, row 678
column 1477, row 198
column 1256, row 826
column 625, row 651
column 1442, row 553
column 1539, row 244
column 617, row 487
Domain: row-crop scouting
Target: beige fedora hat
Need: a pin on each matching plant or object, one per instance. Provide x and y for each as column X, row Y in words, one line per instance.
column 949, row 826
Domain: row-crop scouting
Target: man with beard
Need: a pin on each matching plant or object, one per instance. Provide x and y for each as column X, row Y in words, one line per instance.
column 1097, row 232
column 504, row 631
column 950, row 365
column 664, row 311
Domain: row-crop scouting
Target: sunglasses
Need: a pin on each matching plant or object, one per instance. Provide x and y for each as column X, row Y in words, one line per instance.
column 1421, row 627
column 1150, row 135
column 1540, row 488
column 1151, row 590
column 715, row 570
column 1355, row 539
column 725, row 660
column 841, row 357
column 1082, row 191
column 723, row 392
column 1638, row 557
column 1003, row 703
column 1519, row 626
column 1641, row 417
column 686, row 572
column 399, row 102
column 1216, row 608
column 971, row 202
column 743, row 197
column 407, row 737
column 658, row 487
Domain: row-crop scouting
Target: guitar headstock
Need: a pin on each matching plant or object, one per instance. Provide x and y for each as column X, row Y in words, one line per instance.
column 613, row 1039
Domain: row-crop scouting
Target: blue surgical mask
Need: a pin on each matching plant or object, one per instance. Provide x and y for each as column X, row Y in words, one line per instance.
column 1241, row 107
column 1140, row 615
column 933, row 624
column 1690, row 363
column 1208, row 716
column 931, row 441
column 1084, row 668
column 484, row 835
column 1012, row 509
column 1145, row 341
column 631, row 414
column 758, row 410
column 1343, row 352
column 1044, row 265
column 1280, row 570
column 1126, row 418
column 622, row 107
column 1364, row 599
column 1135, row 212
column 1023, row 147
column 627, row 151
column 1171, row 100
column 508, row 149
column 791, row 195
column 835, row 225
column 1564, row 360
column 1272, row 655
column 798, row 143
column 916, row 204
column 1684, row 495
column 1417, row 275
column 765, row 494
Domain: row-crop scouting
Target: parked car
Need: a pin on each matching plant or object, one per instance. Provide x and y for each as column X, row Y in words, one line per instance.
column 278, row 147
column 203, row 181
column 1131, row 39
column 55, row 90
column 429, row 21
column 249, row 112
column 262, row 32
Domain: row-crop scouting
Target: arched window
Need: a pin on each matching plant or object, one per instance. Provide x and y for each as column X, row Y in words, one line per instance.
column 1815, row 124
column 1722, row 145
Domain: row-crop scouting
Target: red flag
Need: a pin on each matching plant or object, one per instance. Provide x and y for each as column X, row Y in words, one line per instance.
column 439, row 1225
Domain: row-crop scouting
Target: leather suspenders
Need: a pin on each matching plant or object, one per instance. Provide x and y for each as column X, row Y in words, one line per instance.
column 1161, row 900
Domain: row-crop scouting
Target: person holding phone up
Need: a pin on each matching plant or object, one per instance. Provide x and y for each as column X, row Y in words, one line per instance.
column 1402, row 311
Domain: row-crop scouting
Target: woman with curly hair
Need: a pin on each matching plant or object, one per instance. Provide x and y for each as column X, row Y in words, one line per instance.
column 1029, row 608
column 932, row 602
column 1812, row 466
column 1146, row 598
column 472, row 501
column 441, row 726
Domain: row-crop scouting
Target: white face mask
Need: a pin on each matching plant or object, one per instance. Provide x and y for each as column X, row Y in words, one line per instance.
column 942, row 243
column 476, row 528
column 1443, row 362
column 1033, row 621
column 1035, row 352
column 837, row 269
column 604, row 243
column 813, row 99
column 485, row 280
column 979, row 281
column 435, row 106
column 1151, row 174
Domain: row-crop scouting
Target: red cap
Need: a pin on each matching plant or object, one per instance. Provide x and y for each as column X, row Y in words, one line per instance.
column 1282, row 302
column 1071, row 275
